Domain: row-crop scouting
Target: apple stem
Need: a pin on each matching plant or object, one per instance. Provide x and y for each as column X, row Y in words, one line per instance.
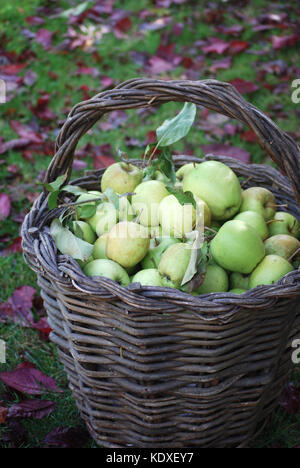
column 295, row 253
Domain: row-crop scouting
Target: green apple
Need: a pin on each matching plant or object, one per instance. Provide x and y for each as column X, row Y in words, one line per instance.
column 256, row 220
column 109, row 269
column 237, row 247
column 216, row 280
column 91, row 195
column 237, row 291
column 239, row 281
column 149, row 277
column 126, row 212
column 174, row 218
column 104, row 219
column 156, row 250
column 146, row 199
column 174, row 263
column 84, row 231
column 203, row 210
column 100, row 247
column 121, row 177
column 259, row 199
column 270, row 270
column 283, row 245
column 217, row 185
column 184, row 170
column 127, row 243
column 285, row 223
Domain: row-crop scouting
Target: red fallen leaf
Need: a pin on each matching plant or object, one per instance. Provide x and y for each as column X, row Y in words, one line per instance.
column 15, row 247
column 15, row 434
column 106, row 81
column 83, row 70
column 230, row 129
column 151, row 137
column 43, row 328
column 14, row 144
column 13, row 169
column 236, row 46
column 5, row 206
column 278, row 42
column 3, row 414
column 234, row 29
column 18, row 306
column 290, row 399
column 222, row 64
column 187, row 62
column 158, row 65
column 29, row 380
column 30, row 78
column 44, row 37
column 215, row 45
column 122, row 26
column 244, row 86
column 13, row 69
column 25, row 131
column 78, row 165
column 249, row 136
column 32, row 408
column 101, row 161
column 67, row 437
column 220, row 149
column 34, row 20
column 41, row 109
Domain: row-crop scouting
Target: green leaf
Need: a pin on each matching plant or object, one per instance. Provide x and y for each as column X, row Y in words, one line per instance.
column 52, row 200
column 74, row 189
column 184, row 198
column 87, row 210
column 194, row 260
column 68, row 244
column 55, row 185
column 112, row 197
column 174, row 129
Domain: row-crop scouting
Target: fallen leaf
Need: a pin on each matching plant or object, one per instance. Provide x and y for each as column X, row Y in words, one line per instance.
column 44, row 37
column 5, row 206
column 290, row 399
column 67, row 437
column 244, row 86
column 31, row 408
column 29, row 380
column 220, row 149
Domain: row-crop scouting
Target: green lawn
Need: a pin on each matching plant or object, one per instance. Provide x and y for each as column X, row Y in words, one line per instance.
column 56, row 69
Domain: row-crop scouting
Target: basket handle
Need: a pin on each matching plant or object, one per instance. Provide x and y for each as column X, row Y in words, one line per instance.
column 144, row 92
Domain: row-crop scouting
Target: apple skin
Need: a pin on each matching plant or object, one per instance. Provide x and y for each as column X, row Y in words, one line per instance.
column 108, row 269
column 174, row 218
column 256, row 220
column 259, row 199
column 269, row 271
column 218, row 186
column 87, row 232
column 237, row 247
column 285, row 223
column 104, row 219
column 121, row 177
column 237, row 291
column 146, row 199
column 282, row 244
column 173, row 264
column 239, row 281
column 216, row 280
column 125, row 212
column 100, row 247
column 184, row 170
column 156, row 250
column 127, row 243
column 149, row 277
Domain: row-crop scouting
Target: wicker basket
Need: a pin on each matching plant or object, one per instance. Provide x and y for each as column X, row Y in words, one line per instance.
column 155, row 367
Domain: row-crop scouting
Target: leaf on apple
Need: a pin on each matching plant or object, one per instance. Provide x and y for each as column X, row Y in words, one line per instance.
column 172, row 130
column 184, row 198
column 55, row 185
column 68, row 244
column 74, row 189
column 87, row 210
column 112, row 197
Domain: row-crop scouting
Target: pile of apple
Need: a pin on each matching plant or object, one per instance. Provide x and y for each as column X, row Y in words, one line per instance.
column 145, row 237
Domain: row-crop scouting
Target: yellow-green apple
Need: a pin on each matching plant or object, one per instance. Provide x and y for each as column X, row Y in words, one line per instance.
column 259, row 199
column 237, row 247
column 283, row 245
column 84, row 231
column 104, row 219
column 184, row 170
column 90, row 195
column 174, row 218
column 237, row 291
column 122, row 177
column 270, row 270
column 285, row 223
column 157, row 247
column 100, row 247
column 174, row 263
column 109, row 269
column 146, row 199
column 217, row 185
column 127, row 243
column 256, row 220
column 126, row 212
column 215, row 280
column 239, row 281
column 149, row 277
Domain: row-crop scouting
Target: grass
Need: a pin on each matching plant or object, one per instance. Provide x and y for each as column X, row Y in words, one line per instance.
column 113, row 59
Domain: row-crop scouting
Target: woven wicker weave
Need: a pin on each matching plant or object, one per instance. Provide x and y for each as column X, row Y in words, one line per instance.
column 155, row 367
